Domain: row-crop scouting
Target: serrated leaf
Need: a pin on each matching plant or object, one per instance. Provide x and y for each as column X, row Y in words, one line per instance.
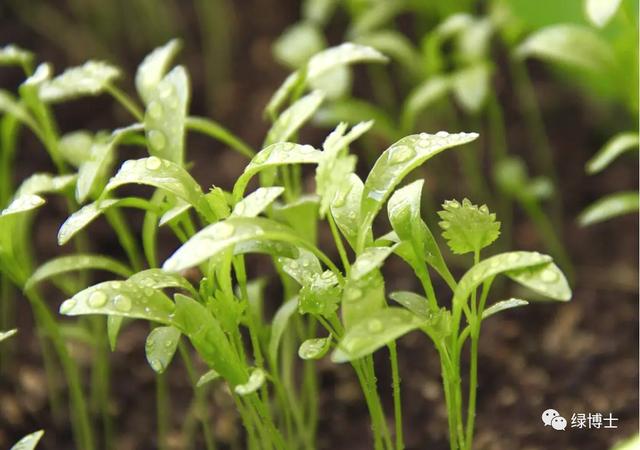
column 255, row 382
column 28, row 442
column 219, row 236
column 600, row 12
column 75, row 147
column 610, row 206
column 23, row 204
column 100, row 161
column 279, row 324
column 160, row 347
column 612, row 149
column 153, row 68
column 120, row 298
column 396, row 162
column 7, row 334
column 471, row 85
column 569, row 44
column 467, row 227
column 166, row 114
column 320, row 294
column 404, row 214
column 92, row 78
column 208, row 377
column 362, row 297
column 297, row 44
column 159, row 173
column 281, row 153
column 314, row 348
column 72, row 263
column 374, row 331
column 292, row 118
column 12, row 55
column 415, row 303
column 256, row 202
column 546, row 279
column 421, row 97
column 345, row 208
column 502, row 306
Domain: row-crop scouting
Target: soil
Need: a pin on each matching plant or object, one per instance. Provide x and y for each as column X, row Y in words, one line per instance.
column 578, row 357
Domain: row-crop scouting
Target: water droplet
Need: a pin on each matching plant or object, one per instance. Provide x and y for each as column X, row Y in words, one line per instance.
column 548, row 276
column 122, row 303
column 353, row 295
column 153, row 163
column 224, row 230
column 155, row 110
column 157, row 139
column 97, row 299
column 165, row 90
column 374, row 326
column 424, row 136
column 401, row 154
column 168, row 344
column 442, row 134
column 67, row 306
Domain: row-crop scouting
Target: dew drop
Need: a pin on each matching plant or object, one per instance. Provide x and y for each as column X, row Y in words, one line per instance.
column 353, row 295
column 153, row 163
column 374, row 326
column 67, row 306
column 442, row 134
column 225, row 230
column 157, row 139
column 168, row 344
column 401, row 154
column 122, row 303
column 155, row 110
column 97, row 299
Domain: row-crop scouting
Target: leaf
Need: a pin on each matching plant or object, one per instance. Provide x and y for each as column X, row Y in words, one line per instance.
column 23, row 204
column 293, row 118
column 256, row 380
column 297, row 44
column 396, row 162
column 334, row 84
column 153, row 68
column 98, row 166
column 75, row 147
column 471, row 85
column 612, row 149
column 395, row 45
column 404, row 214
column 256, row 202
column 278, row 326
column 92, row 78
column 120, row 298
column 160, row 347
column 180, row 207
column 546, row 279
column 219, row 236
column 303, row 268
column 376, row 15
column 166, row 114
column 44, row 183
column 12, row 106
column 374, row 331
column 159, row 173
column 569, row 44
column 369, row 260
column 301, row 215
column 362, row 297
column 345, row 208
column 208, row 377
column 7, row 334
column 114, row 324
column 320, row 294
column 341, row 55
column 415, row 303
column 502, row 306
column 424, row 95
column 600, row 12
column 281, row 153
column 293, row 83
column 159, row 279
column 318, row 11
column 71, row 263
column 12, row 55
column 81, row 218
column 314, row 348
column 28, row 442
column 610, row 206
column 467, row 227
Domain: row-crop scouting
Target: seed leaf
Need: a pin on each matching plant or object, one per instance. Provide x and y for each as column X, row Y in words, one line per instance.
column 612, row 149
column 297, row 44
column 294, row 82
column 153, row 68
column 278, row 154
column 28, row 442
column 114, row 324
column 300, row 214
column 160, row 347
column 362, row 297
column 7, row 334
column 374, row 331
column 503, row 305
column 120, row 298
column 600, row 12
column 345, row 208
column 12, row 106
column 303, row 268
column 71, row 263
column 75, row 147
column 471, row 85
column 574, row 45
column 165, row 117
column 256, row 202
column 415, row 303
column 44, row 183
column 159, row 279
column 23, row 204
column 396, row 162
column 92, row 78
column 610, row 206
column 427, row 93
column 342, row 55
column 394, row 44
column 256, row 380
column 208, row 377
column 180, row 207
column 546, row 279
column 279, row 324
column 81, row 218
column 467, row 227
column 314, row 348
column 12, row 55
column 369, row 260
column 294, row 117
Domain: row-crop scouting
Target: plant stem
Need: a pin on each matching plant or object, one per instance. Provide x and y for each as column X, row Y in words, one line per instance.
column 397, row 402
column 217, row 131
column 127, row 102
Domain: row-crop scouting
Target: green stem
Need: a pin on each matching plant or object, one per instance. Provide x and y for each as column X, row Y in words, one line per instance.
column 127, row 102
column 339, row 245
column 217, row 131
column 397, row 401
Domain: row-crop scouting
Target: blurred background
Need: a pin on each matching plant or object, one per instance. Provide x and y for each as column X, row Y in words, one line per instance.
column 541, row 117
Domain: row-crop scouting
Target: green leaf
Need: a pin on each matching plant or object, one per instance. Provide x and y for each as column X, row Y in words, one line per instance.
column 44, row 183
column 546, row 279
column 293, row 83
column 345, row 208
column 503, row 305
column 7, row 334
column 281, row 153
column 22, row 204
column 471, row 85
column 256, row 202
column 166, row 114
column 208, row 377
column 369, row 260
column 301, row 215
column 12, row 106
column 342, row 55
column 120, row 298
column 303, row 268
column 12, row 55
column 376, row 15
column 278, row 326
column 600, row 12
column 396, row 45
column 320, row 295
column 71, row 263
column 160, row 347
column 292, row 118
column 159, row 173
column 574, row 45
column 159, row 279
column 318, row 11
column 92, row 78
column 375, row 331
column 467, row 227
column 28, row 442
column 219, row 236
column 114, row 324
column 610, row 206
column 334, row 84
column 81, row 218
column 153, row 68
column 396, row 162
column 615, row 147
column 423, row 96
column 297, row 44
column 314, row 348
column 362, row 297
column 404, row 214
column 256, row 380
column 415, row 303
column 180, row 207
column 93, row 171
column 75, row 147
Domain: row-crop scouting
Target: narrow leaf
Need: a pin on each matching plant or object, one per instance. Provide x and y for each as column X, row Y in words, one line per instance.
column 7, row 334
column 600, row 12
column 256, row 202
column 314, row 348
column 12, row 55
column 615, row 147
column 153, row 68
column 546, row 279
column 92, row 78
column 22, row 204
column 294, row 117
column 28, row 442
column 415, row 303
column 159, row 279
column 279, row 325
column 160, row 347
column 256, row 380
column 208, row 377
column 502, row 306
column 608, row 207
